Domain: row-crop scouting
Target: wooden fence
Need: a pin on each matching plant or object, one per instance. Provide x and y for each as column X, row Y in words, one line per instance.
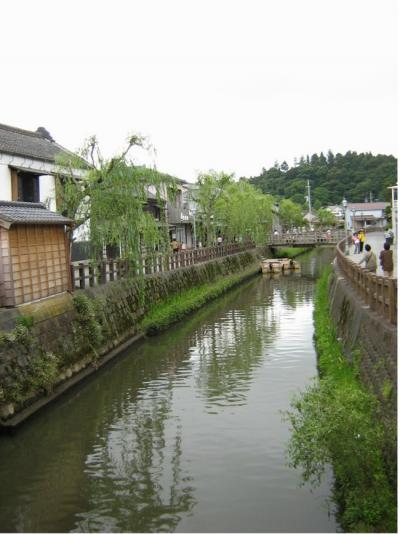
column 378, row 292
column 92, row 273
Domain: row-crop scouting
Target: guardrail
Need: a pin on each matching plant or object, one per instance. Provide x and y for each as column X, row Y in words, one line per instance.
column 306, row 238
column 378, row 292
column 92, row 273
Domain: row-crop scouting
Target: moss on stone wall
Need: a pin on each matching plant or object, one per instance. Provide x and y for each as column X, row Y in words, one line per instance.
column 69, row 333
column 338, row 421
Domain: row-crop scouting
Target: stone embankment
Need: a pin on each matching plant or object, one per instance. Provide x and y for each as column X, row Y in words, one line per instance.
column 48, row 346
column 369, row 337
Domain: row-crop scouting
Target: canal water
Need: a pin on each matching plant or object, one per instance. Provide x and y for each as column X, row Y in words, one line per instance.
column 184, row 432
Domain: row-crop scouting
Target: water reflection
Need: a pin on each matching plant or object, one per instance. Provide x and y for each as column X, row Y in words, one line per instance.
column 184, row 433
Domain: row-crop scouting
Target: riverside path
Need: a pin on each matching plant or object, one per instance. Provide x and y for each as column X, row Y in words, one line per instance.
column 376, row 240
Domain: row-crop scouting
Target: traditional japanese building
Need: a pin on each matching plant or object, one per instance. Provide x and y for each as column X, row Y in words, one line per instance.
column 34, row 253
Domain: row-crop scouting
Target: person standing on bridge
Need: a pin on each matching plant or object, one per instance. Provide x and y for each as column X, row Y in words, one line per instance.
column 361, row 236
column 356, row 242
column 370, row 260
column 386, row 260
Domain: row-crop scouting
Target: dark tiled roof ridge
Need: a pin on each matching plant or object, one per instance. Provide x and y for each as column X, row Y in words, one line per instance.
column 18, row 204
column 21, row 131
column 30, row 213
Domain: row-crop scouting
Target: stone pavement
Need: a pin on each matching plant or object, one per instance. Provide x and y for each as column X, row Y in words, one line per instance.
column 376, row 240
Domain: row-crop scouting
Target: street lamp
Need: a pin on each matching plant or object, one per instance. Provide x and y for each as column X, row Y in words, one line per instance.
column 346, row 242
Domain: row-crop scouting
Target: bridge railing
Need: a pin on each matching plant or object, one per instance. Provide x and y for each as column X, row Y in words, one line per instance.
column 378, row 292
column 91, row 273
column 317, row 237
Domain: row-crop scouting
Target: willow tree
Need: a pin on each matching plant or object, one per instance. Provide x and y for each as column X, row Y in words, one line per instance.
column 290, row 214
column 244, row 213
column 110, row 195
column 208, row 189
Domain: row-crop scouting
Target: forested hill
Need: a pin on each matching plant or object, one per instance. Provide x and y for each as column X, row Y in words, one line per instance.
column 332, row 177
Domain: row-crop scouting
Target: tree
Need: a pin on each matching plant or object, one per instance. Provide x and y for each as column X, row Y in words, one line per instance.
column 244, row 213
column 208, row 190
column 326, row 217
column 111, row 194
column 290, row 214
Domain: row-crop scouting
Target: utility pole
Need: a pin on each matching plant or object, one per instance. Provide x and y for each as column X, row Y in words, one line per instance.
column 309, row 196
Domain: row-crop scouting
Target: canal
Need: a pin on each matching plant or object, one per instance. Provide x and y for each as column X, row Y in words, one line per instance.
column 182, row 433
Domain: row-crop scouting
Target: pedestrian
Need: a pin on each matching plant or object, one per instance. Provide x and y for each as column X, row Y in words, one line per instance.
column 175, row 245
column 361, row 237
column 370, row 259
column 386, row 260
column 387, row 237
column 356, row 242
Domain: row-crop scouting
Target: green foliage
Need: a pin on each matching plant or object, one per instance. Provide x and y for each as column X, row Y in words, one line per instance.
column 326, row 217
column 112, row 195
column 243, row 213
column 337, row 422
column 161, row 315
column 352, row 175
column 290, row 252
column 89, row 329
column 25, row 320
column 290, row 214
column 209, row 188
column 32, row 368
column 42, row 371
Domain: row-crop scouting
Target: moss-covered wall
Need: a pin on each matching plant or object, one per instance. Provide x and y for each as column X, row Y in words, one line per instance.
column 372, row 341
column 49, row 344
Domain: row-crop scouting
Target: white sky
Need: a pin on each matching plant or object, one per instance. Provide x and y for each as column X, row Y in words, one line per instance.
column 224, row 85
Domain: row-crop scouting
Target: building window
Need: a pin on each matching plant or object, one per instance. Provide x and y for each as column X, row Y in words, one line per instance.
column 25, row 186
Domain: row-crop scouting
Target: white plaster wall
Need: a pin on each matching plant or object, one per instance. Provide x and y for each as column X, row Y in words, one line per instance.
column 82, row 233
column 5, row 182
column 47, row 191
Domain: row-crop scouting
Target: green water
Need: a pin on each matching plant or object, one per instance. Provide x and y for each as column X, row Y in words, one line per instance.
column 184, row 432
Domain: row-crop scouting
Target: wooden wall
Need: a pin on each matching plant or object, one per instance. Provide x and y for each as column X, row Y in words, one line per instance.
column 34, row 263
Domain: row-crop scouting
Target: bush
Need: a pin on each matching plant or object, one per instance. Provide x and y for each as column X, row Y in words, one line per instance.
column 337, row 421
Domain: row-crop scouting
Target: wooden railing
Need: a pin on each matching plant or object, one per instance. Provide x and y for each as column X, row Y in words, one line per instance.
column 378, row 292
column 306, row 238
column 92, row 273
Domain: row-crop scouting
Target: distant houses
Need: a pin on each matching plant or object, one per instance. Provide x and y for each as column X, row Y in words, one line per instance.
column 366, row 215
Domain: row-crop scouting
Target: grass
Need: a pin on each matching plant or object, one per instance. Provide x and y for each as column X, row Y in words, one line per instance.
column 161, row 315
column 337, row 421
column 290, row 252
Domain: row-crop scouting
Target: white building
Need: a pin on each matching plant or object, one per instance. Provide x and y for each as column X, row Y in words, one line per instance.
column 366, row 214
column 27, row 165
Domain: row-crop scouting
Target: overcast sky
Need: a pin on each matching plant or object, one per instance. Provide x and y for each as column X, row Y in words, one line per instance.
column 222, row 84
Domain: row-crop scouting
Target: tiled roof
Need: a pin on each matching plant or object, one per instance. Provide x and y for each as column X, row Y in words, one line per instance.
column 16, row 141
column 29, row 213
column 360, row 206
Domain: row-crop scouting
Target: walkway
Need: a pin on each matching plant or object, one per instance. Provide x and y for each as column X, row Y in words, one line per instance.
column 376, row 240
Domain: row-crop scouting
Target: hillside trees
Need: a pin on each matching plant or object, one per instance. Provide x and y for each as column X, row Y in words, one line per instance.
column 356, row 176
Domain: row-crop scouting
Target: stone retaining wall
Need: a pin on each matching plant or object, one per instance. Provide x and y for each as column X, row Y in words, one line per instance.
column 49, row 345
column 369, row 338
